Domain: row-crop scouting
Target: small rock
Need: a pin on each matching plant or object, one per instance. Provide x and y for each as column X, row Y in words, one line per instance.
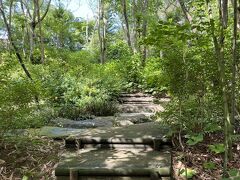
column 123, row 123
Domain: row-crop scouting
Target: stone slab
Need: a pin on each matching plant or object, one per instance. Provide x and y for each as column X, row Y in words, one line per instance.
column 149, row 130
column 136, row 99
column 134, row 95
column 123, row 162
column 90, row 123
column 135, row 118
column 140, row 108
column 57, row 132
column 151, row 134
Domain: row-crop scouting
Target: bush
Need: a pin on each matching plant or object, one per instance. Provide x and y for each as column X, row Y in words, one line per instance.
column 118, row 51
column 18, row 108
column 154, row 78
column 193, row 116
column 78, row 87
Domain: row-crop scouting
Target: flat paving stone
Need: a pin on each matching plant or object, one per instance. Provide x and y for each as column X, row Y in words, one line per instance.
column 137, row 99
column 135, row 95
column 144, row 130
column 146, row 133
column 90, row 123
column 140, row 108
column 57, row 132
column 135, row 118
column 117, row 162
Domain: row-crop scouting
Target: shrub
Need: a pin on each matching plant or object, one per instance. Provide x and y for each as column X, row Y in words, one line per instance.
column 118, row 51
column 193, row 116
column 153, row 76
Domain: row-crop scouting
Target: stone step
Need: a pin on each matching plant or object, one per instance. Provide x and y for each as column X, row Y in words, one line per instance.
column 140, row 108
column 115, row 164
column 134, row 95
column 140, row 100
column 82, row 124
column 151, row 134
column 135, row 118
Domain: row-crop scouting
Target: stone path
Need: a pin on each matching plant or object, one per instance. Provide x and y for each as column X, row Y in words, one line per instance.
column 138, row 149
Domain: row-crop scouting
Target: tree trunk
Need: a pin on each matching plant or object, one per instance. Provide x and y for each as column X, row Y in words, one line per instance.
column 20, row 60
column 87, row 32
column 136, row 26
column 185, row 11
column 104, row 33
column 40, row 31
column 234, row 63
column 99, row 31
column 35, row 20
column 102, row 23
column 144, row 31
column 219, row 51
column 124, row 7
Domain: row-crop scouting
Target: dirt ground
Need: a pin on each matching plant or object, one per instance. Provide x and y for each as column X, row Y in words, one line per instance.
column 195, row 156
column 29, row 158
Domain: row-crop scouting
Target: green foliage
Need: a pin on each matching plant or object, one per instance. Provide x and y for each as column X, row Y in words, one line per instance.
column 153, row 75
column 131, row 71
column 118, row 51
column 209, row 165
column 217, row 148
column 18, row 108
column 77, row 86
column 234, row 172
column 192, row 116
column 188, row 173
column 194, row 139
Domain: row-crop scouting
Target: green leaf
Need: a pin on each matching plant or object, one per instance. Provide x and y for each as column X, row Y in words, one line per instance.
column 25, row 178
column 234, row 172
column 209, row 165
column 212, row 127
column 189, row 172
column 192, row 140
column 217, row 148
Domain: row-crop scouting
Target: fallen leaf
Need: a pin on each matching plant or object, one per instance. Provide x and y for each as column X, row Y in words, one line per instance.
column 2, row 162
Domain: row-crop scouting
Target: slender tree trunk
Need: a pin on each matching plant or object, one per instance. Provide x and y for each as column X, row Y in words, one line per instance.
column 104, row 33
column 10, row 21
column 24, row 30
column 124, row 7
column 20, row 60
column 234, row 63
column 32, row 33
column 136, row 26
column 144, row 31
column 87, row 33
column 238, row 12
column 40, row 31
column 102, row 28
column 35, row 20
column 187, row 16
column 227, row 123
column 99, row 30
column 219, row 50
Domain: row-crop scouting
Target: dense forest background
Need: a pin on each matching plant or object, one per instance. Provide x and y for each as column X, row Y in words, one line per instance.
column 53, row 64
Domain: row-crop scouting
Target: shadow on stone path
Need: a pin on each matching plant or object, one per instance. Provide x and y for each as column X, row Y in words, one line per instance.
column 138, row 150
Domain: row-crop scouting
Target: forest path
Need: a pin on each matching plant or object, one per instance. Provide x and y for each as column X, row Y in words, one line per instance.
column 138, row 149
